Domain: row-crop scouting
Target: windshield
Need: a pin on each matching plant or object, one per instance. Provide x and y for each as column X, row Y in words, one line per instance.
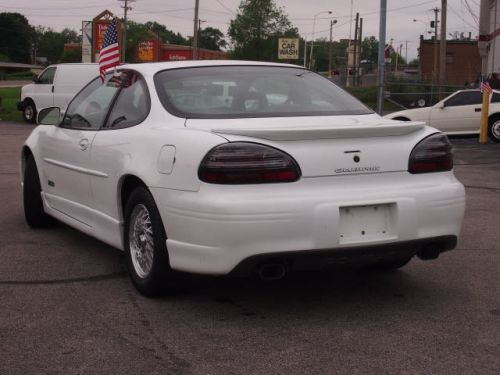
column 252, row 91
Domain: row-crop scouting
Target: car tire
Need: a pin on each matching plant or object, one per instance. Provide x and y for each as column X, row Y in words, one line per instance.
column 494, row 128
column 32, row 199
column 145, row 246
column 29, row 111
column 389, row 264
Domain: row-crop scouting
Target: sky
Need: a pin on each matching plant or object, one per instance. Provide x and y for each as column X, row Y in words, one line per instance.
column 177, row 15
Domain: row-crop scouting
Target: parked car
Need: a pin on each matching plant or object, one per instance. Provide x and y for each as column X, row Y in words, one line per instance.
column 54, row 86
column 459, row 113
column 288, row 171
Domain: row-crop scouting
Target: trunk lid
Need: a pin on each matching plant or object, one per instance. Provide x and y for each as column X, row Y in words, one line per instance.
column 328, row 145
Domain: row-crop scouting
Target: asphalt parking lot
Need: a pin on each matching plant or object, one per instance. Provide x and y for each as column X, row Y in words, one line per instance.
column 67, row 306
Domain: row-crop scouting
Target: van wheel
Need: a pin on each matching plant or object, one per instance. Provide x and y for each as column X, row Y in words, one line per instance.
column 145, row 246
column 494, row 128
column 29, row 111
column 33, row 205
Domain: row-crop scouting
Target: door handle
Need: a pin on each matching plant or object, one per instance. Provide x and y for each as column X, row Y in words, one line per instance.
column 477, row 109
column 84, row 144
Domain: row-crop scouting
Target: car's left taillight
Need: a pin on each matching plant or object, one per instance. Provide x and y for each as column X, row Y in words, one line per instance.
column 432, row 154
column 247, row 163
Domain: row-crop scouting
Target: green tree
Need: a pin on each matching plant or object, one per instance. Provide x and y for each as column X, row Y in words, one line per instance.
column 50, row 43
column 72, row 56
column 166, row 35
column 212, row 38
column 256, row 29
column 16, row 37
column 369, row 49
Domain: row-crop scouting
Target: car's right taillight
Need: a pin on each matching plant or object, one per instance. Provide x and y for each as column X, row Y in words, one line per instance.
column 432, row 154
column 247, row 163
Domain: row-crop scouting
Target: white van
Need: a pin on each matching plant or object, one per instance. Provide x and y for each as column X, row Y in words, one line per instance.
column 54, row 87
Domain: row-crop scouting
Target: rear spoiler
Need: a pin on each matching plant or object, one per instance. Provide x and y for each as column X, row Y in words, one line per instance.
column 311, row 133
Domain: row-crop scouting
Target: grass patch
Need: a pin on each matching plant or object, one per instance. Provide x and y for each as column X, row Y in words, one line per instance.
column 8, row 99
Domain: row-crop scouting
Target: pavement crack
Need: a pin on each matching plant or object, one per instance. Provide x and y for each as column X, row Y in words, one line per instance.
column 482, row 187
column 109, row 276
column 159, row 349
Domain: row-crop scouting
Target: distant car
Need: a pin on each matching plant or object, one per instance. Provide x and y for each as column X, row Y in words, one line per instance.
column 55, row 86
column 225, row 167
column 459, row 113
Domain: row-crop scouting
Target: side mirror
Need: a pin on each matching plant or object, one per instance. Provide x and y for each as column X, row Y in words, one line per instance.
column 49, row 116
column 35, row 79
column 440, row 105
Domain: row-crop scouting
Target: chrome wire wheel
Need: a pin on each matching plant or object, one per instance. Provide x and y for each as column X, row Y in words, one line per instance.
column 495, row 130
column 141, row 241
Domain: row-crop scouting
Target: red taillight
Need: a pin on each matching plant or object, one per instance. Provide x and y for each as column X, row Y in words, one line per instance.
column 432, row 154
column 247, row 163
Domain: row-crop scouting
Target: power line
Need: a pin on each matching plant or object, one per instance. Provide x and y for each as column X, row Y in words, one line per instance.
column 225, row 7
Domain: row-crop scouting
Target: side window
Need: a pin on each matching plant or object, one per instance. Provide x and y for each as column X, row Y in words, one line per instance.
column 495, row 98
column 465, row 98
column 47, row 76
column 132, row 105
column 89, row 108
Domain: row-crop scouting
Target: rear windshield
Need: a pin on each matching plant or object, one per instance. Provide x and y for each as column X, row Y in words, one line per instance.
column 252, row 91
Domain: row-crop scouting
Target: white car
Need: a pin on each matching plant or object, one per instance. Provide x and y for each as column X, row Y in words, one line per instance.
column 459, row 113
column 149, row 163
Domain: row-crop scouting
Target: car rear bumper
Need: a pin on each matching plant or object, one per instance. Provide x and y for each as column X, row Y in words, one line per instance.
column 358, row 256
column 214, row 230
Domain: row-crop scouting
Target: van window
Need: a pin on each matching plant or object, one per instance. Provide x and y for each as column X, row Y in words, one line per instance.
column 47, row 76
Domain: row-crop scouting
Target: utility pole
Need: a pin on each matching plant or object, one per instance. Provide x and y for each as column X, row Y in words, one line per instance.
column 330, row 52
column 349, row 47
column 442, row 49
column 381, row 57
column 494, row 40
column 434, row 72
column 198, row 35
column 126, row 8
column 355, row 54
column 406, row 53
column 360, row 51
column 195, row 31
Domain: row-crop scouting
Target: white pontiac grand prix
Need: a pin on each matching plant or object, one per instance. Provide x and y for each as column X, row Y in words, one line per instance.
column 225, row 167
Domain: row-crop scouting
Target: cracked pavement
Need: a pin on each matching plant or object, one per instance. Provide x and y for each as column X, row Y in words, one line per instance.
column 67, row 306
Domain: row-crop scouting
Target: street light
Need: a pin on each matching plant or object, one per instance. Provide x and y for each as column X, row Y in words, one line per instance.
column 314, row 27
column 332, row 22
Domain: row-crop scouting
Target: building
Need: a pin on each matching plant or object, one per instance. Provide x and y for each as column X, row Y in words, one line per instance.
column 151, row 51
column 463, row 62
column 489, row 32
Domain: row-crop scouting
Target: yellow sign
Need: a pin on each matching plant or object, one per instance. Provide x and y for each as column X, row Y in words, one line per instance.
column 288, row 48
column 146, row 51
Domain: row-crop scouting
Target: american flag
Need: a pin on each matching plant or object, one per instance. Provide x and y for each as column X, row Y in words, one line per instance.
column 109, row 56
column 485, row 86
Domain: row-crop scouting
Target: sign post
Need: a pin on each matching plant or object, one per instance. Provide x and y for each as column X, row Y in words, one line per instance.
column 483, row 131
column 288, row 48
column 86, row 41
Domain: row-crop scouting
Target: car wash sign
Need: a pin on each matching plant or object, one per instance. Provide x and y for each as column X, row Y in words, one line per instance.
column 288, row 48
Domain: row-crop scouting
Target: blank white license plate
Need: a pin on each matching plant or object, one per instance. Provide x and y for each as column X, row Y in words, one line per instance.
column 366, row 223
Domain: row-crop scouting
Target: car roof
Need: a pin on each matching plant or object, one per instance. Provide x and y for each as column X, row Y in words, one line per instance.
column 152, row 68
